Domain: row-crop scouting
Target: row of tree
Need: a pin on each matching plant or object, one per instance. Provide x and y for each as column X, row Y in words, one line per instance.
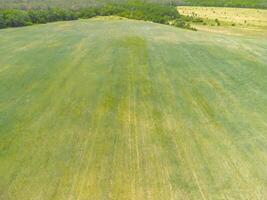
column 17, row 18
column 134, row 10
column 163, row 14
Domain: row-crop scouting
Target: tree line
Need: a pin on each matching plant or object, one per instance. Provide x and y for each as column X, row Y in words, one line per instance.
column 164, row 14
column 17, row 18
column 44, row 4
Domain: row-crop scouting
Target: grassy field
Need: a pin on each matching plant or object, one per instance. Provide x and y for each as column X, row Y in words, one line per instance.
column 124, row 109
column 232, row 20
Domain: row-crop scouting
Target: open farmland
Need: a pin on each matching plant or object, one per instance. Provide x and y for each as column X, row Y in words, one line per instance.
column 245, row 21
column 122, row 109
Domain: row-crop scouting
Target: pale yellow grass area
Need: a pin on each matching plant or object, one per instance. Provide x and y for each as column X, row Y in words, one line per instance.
column 232, row 20
column 112, row 17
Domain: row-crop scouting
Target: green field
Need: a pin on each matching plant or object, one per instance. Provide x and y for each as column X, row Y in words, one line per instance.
column 122, row 109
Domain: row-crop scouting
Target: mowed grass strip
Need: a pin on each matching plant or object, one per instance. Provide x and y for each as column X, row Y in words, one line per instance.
column 123, row 109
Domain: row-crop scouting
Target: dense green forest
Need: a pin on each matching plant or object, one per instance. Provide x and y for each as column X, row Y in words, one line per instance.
column 163, row 14
column 229, row 3
column 29, row 4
